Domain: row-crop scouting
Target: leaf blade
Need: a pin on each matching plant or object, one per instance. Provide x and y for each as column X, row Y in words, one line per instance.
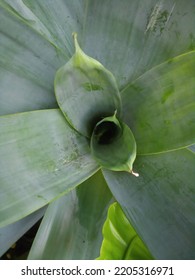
column 28, row 64
column 160, row 203
column 11, row 233
column 113, row 145
column 55, row 22
column 74, row 221
column 140, row 35
column 159, row 106
column 85, row 91
column 46, row 158
column 121, row 242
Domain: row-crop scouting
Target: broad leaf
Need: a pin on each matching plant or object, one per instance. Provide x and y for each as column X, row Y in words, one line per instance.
column 138, row 35
column 85, row 91
column 160, row 204
column 159, row 106
column 27, row 67
column 11, row 233
column 113, row 145
column 130, row 37
column 53, row 20
column 121, row 242
column 71, row 227
column 41, row 158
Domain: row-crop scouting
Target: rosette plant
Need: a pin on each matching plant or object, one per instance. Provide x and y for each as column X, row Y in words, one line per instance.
column 83, row 115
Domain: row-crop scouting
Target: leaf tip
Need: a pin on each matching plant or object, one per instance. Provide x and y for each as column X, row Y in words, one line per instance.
column 76, row 44
column 134, row 173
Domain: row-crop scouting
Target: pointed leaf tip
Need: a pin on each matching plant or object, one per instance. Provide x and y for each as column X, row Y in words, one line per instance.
column 113, row 145
column 85, row 91
column 76, row 44
column 134, row 173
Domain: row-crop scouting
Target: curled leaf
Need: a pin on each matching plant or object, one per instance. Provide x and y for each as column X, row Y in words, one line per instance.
column 85, row 91
column 113, row 145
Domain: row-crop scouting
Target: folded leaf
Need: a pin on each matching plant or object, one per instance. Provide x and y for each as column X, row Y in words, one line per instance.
column 160, row 204
column 85, row 91
column 41, row 158
column 74, row 221
column 159, row 106
column 121, row 242
column 113, row 145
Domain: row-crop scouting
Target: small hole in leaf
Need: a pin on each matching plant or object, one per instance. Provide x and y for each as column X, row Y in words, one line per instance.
column 106, row 132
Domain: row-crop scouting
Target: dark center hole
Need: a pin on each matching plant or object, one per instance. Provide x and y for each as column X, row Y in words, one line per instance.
column 106, row 132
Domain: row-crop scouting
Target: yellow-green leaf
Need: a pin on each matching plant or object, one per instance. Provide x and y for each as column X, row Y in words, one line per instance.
column 121, row 241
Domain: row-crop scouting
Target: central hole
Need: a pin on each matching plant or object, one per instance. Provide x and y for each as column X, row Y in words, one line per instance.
column 106, row 132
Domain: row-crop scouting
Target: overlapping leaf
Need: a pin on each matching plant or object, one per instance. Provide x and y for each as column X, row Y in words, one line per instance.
column 71, row 226
column 85, row 91
column 113, row 145
column 144, row 36
column 41, row 158
column 129, row 38
column 27, row 67
column 11, row 233
column 160, row 203
column 159, row 106
column 121, row 242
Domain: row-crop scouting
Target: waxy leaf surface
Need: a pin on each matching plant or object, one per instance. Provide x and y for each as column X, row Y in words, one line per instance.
column 160, row 203
column 128, row 37
column 113, row 145
column 160, row 106
column 131, row 37
column 41, row 158
column 27, row 67
column 11, row 233
column 85, row 91
column 71, row 228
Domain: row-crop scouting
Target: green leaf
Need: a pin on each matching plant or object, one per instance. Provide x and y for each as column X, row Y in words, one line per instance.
column 192, row 148
column 54, row 21
column 27, row 67
column 128, row 37
column 85, row 91
column 131, row 37
column 11, row 233
column 113, row 145
column 160, row 204
column 41, row 158
column 74, row 222
column 159, row 106
column 121, row 242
